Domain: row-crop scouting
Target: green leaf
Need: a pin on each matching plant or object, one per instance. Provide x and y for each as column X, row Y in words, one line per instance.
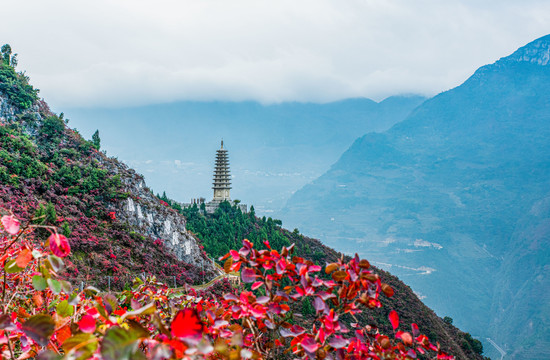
column 39, row 283
column 83, row 351
column 144, row 310
column 39, row 328
column 11, row 267
column 56, row 263
column 44, row 271
column 139, row 330
column 66, row 286
column 74, row 298
column 91, row 291
column 110, row 302
column 64, row 309
column 55, row 286
column 120, row 344
column 48, row 355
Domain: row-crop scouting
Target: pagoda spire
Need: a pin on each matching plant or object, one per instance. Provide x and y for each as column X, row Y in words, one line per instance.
column 222, row 177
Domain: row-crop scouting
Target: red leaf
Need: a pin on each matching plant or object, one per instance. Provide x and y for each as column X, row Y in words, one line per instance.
column 394, row 319
column 319, row 304
column 411, row 353
column 87, row 324
column 310, row 345
column 387, row 290
column 248, row 275
column 187, row 325
column 338, row 342
column 415, row 330
column 23, row 258
column 235, row 255
column 407, row 338
column 63, row 334
column 257, row 284
column 314, row 268
column 322, row 335
column 59, row 245
column 11, row 224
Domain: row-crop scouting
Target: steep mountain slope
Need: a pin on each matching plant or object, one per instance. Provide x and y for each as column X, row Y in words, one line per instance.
column 437, row 198
column 227, row 227
column 274, row 149
column 117, row 228
column 522, row 296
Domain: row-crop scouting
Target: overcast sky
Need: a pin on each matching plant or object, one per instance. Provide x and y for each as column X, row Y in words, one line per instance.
column 130, row 52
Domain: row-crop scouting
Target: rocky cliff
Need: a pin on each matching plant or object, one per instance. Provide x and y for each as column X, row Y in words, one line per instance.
column 147, row 214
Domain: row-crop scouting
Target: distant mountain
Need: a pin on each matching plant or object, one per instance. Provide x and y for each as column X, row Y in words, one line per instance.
column 447, row 200
column 273, row 149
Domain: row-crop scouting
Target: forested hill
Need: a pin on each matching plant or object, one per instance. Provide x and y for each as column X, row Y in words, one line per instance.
column 226, row 228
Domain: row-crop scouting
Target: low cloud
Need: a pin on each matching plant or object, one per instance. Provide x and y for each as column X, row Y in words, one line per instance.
column 106, row 53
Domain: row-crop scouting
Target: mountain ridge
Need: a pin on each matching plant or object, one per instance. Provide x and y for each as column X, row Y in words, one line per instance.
column 459, row 171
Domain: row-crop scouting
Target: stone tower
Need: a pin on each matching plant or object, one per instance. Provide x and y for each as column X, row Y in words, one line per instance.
column 222, row 178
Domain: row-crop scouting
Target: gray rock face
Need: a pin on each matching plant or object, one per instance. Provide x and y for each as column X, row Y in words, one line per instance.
column 149, row 216
column 7, row 110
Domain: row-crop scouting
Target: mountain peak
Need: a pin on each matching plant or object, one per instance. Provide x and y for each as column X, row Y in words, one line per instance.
column 536, row 52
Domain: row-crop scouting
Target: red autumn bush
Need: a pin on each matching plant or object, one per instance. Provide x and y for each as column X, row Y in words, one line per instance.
column 42, row 316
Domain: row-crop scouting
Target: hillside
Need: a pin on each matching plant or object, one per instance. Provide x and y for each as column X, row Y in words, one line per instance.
column 223, row 230
column 117, row 228
column 441, row 199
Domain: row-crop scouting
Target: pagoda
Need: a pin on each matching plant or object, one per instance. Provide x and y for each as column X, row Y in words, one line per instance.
column 221, row 186
column 222, row 177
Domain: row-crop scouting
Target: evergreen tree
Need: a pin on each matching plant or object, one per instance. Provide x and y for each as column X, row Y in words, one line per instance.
column 7, row 57
column 51, row 215
column 96, row 140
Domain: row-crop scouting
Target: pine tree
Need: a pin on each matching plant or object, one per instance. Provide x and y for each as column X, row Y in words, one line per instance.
column 96, row 140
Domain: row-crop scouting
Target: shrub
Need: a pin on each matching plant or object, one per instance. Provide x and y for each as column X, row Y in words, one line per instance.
column 43, row 316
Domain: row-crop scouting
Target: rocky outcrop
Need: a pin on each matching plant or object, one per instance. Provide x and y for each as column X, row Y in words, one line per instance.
column 152, row 217
column 7, row 109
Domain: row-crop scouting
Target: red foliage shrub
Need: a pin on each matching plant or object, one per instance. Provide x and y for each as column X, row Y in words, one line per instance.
column 42, row 314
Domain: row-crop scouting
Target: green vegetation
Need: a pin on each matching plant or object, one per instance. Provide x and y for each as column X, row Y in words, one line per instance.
column 448, row 320
column 15, row 85
column 225, row 229
column 96, row 140
column 473, row 344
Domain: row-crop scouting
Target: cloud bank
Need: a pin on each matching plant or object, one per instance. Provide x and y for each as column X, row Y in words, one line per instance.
column 107, row 53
